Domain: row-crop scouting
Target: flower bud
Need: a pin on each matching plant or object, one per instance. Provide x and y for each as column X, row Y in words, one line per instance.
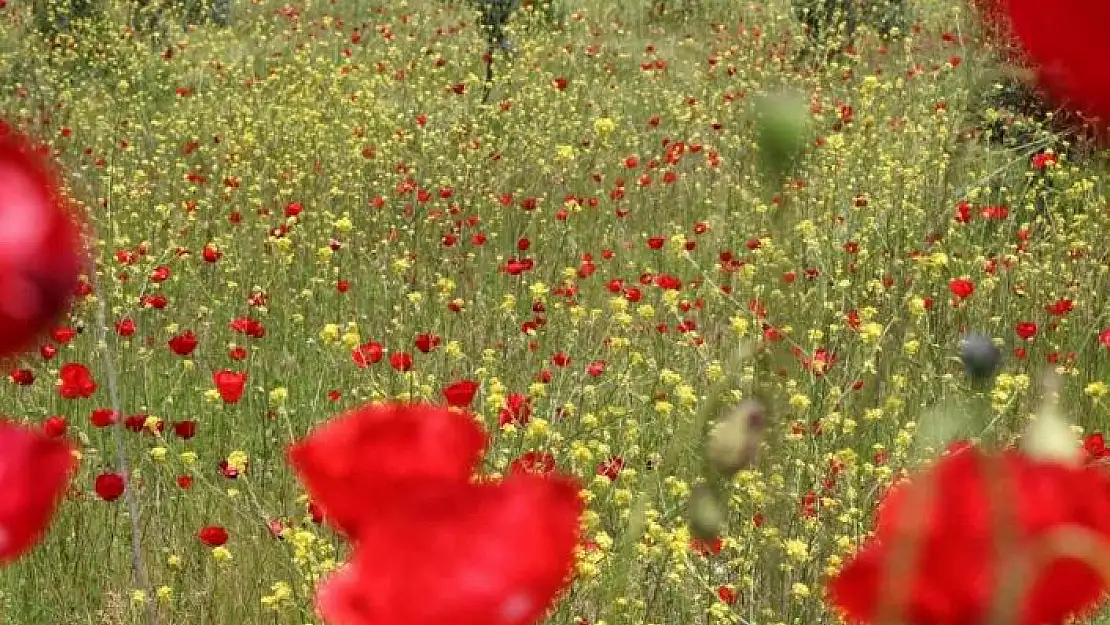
column 782, row 127
column 1049, row 437
column 734, row 440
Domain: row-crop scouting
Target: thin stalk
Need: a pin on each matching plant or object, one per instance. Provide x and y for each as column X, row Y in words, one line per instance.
column 138, row 564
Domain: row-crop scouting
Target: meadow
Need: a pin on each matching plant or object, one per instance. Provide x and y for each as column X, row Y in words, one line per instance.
column 320, row 205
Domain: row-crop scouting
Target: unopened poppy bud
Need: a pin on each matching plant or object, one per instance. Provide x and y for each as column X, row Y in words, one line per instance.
column 1049, row 437
column 782, row 127
column 734, row 440
column 706, row 517
column 981, row 357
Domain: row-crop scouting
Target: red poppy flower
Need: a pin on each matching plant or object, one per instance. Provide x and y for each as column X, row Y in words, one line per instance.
column 378, row 451
column 611, row 468
column 1026, row 330
column 484, row 554
column 956, row 571
column 517, row 409
column 76, row 381
column 230, row 385
column 103, row 417
column 183, row 344
column 1067, row 43
column 427, row 342
column 401, row 361
column 1104, row 339
column 109, row 486
column 213, row 535
column 40, row 250
column 185, row 429
column 538, row 462
column 461, row 393
column 126, row 327
column 34, row 473
column 367, row 354
column 55, row 426
column 961, row 288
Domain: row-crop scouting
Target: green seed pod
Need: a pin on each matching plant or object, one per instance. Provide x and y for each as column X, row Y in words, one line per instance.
column 706, row 517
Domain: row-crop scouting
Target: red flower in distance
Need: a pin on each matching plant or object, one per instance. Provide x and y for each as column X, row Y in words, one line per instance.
column 956, row 570
column 496, row 553
column 183, row 344
column 40, row 249
column 1026, row 330
column 230, row 385
column 378, row 452
column 461, row 393
column 213, row 536
column 55, row 426
column 35, row 470
column 537, row 462
column 109, row 486
column 961, row 287
column 103, row 417
column 367, row 354
column 76, row 381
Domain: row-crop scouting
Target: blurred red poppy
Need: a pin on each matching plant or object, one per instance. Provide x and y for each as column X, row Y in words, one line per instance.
column 1067, row 43
column 956, row 571
column 496, row 553
column 374, row 453
column 35, row 470
column 40, row 248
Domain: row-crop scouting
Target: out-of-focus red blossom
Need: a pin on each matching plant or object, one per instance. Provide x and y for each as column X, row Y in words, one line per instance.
column 496, row 553
column 230, row 385
column 1067, row 44
column 40, row 248
column 35, row 470
column 378, row 452
column 460, row 394
column 75, row 381
column 956, row 571
column 431, row 543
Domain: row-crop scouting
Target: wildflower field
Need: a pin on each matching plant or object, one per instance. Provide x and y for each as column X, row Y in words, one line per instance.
column 325, row 204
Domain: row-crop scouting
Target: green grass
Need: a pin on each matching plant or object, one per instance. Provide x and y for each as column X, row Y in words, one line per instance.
column 883, row 183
